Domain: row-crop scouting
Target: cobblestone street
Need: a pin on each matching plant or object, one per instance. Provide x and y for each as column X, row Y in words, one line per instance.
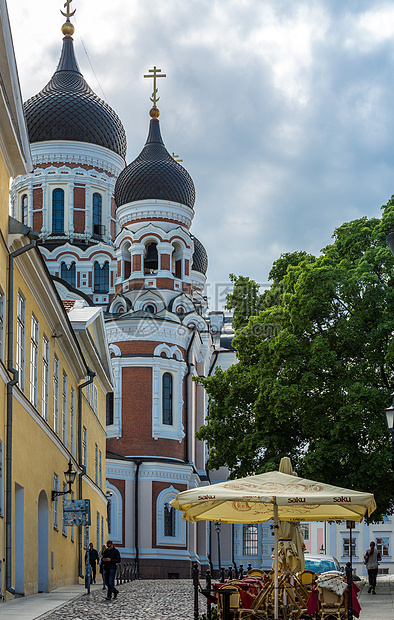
column 139, row 600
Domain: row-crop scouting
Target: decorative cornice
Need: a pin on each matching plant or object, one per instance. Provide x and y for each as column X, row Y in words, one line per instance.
column 77, row 153
column 154, row 209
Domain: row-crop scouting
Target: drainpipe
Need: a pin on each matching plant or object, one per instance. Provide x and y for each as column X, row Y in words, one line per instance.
column 10, row 366
column 82, row 468
column 186, row 459
column 138, row 463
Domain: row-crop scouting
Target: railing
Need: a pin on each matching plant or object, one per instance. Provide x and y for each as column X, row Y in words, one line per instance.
column 125, row 572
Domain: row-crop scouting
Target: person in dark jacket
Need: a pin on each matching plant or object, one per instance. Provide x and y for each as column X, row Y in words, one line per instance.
column 111, row 557
column 93, row 560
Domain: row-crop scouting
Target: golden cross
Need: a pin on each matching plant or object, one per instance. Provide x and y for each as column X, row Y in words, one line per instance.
column 67, row 7
column 176, row 157
column 156, row 74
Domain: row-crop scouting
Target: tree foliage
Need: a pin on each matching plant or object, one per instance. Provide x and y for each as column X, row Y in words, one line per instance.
column 316, row 366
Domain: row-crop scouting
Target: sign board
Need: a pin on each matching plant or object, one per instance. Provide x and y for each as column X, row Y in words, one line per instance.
column 76, row 512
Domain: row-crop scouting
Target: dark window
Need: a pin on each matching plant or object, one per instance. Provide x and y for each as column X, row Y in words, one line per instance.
column 24, row 209
column 109, row 408
column 250, row 540
column 169, row 520
column 167, row 398
column 97, row 227
column 150, row 308
column 151, row 259
column 68, row 273
column 101, row 278
column 58, row 211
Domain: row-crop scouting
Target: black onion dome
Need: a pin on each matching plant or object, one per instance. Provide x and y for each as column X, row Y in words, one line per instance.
column 67, row 109
column 154, row 174
column 200, row 257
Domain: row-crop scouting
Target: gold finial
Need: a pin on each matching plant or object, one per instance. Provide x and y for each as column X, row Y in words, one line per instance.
column 68, row 28
column 176, row 157
column 155, row 112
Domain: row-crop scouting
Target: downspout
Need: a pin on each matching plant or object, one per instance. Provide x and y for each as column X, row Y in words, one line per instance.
column 10, row 366
column 138, row 463
column 186, row 459
column 82, row 468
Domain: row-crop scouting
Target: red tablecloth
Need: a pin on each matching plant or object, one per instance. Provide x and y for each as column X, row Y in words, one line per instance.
column 312, row 604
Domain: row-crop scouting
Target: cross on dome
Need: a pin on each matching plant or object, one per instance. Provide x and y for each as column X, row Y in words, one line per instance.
column 67, row 7
column 154, row 99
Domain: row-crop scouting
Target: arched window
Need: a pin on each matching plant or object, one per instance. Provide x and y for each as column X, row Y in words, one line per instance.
column 169, row 521
column 101, row 278
column 98, row 231
column 150, row 308
column 24, row 209
column 58, row 211
column 68, row 273
column 151, row 259
column 167, row 398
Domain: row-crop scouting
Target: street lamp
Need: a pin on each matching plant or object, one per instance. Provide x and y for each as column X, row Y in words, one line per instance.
column 69, row 475
column 390, row 421
column 217, row 528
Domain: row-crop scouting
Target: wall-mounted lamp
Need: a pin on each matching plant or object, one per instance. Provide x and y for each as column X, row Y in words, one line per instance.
column 70, row 477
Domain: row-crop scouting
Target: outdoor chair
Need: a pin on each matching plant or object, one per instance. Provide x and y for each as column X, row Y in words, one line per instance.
column 332, row 606
column 234, row 600
column 307, row 579
column 256, row 573
column 259, row 607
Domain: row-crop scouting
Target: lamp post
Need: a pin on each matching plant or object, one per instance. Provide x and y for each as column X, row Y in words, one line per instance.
column 217, row 528
column 69, row 475
column 390, row 421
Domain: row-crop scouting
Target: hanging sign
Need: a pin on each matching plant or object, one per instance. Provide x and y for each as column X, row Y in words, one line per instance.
column 76, row 512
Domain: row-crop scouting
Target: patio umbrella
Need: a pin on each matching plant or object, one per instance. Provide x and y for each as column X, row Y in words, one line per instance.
column 291, row 543
column 273, row 495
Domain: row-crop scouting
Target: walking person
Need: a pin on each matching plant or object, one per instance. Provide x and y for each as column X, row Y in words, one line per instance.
column 93, row 560
column 100, row 560
column 111, row 557
column 372, row 558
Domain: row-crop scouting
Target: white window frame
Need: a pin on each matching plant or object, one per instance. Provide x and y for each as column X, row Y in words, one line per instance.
column 56, row 394
column 21, row 340
column 33, row 360
column 72, row 422
column 95, row 400
column 56, row 503
column 96, row 474
column 64, row 409
column 45, row 378
column 84, row 446
column 179, row 540
column 116, row 510
column 100, row 470
column 177, row 369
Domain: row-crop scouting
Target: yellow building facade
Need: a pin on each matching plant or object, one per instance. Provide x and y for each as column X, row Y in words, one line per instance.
column 55, row 374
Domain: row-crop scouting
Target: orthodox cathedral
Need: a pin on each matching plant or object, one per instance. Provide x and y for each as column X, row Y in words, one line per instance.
column 118, row 236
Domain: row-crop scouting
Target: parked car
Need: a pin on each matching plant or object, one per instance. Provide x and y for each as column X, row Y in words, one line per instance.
column 321, row 563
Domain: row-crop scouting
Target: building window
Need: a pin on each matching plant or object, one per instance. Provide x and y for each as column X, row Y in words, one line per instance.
column 56, row 395
column 20, row 341
column 100, row 470
column 56, row 503
column 98, row 231
column 58, row 211
column 98, row 529
column 24, row 211
column 84, row 446
column 304, row 529
column 101, row 278
column 68, row 273
column 72, row 422
column 169, row 521
column 64, row 497
column 64, row 410
column 250, row 541
column 33, row 360
column 346, row 547
column 2, row 317
column 151, row 259
column 383, row 546
column 109, row 408
column 45, row 377
column 1, row 478
column 95, row 399
column 96, row 465
column 167, row 398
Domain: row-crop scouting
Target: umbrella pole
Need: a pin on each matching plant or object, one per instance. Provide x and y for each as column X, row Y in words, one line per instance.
column 276, row 562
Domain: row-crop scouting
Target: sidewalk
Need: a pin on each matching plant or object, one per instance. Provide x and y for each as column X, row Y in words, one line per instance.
column 381, row 606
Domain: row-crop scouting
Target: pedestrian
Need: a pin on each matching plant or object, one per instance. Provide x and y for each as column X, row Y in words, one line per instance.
column 111, row 557
column 102, row 573
column 371, row 559
column 93, row 560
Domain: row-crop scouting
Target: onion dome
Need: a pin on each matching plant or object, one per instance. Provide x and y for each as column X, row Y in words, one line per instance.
column 154, row 174
column 200, row 257
column 68, row 109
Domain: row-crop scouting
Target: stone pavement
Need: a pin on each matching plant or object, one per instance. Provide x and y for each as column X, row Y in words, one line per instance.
column 155, row 600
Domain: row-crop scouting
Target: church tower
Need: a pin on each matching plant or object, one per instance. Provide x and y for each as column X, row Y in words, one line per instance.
column 78, row 147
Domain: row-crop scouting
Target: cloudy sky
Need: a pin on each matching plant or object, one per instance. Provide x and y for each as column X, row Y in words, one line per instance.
column 282, row 110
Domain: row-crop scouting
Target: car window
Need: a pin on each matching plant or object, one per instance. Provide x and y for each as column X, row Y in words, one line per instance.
column 319, row 566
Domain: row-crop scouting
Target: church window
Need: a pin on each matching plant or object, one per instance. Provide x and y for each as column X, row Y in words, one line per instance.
column 167, row 398
column 98, row 229
column 68, row 273
column 169, row 520
column 58, row 211
column 150, row 308
column 101, row 278
column 24, row 209
column 151, row 260
column 250, row 540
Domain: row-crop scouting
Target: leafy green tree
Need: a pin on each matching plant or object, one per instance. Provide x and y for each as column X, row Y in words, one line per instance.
column 316, row 366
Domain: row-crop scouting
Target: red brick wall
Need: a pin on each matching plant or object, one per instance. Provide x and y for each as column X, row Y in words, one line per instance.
column 137, row 262
column 37, row 198
column 79, row 221
column 165, row 261
column 79, row 197
column 127, row 269
column 37, row 221
column 186, row 267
